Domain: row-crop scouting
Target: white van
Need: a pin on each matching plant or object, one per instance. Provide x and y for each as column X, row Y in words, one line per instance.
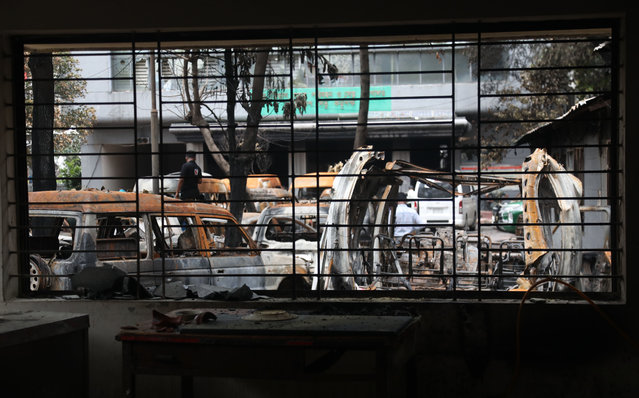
column 436, row 206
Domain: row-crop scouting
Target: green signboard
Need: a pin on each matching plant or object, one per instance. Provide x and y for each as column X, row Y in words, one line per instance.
column 337, row 100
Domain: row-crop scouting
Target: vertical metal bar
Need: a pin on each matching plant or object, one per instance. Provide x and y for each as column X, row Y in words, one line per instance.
column 161, row 168
column 135, row 151
column 479, row 249
column 320, row 271
column 155, row 166
column 292, row 125
column 317, row 97
column 453, row 148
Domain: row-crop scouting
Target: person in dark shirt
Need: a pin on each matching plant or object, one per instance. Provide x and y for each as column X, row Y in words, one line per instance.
column 190, row 177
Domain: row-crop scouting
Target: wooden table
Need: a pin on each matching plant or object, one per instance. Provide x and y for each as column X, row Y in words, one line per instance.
column 304, row 348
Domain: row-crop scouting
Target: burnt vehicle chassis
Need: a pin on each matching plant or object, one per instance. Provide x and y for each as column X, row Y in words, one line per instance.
column 359, row 251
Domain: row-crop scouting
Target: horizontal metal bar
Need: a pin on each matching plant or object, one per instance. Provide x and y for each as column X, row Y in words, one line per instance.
column 319, row 100
column 79, row 79
column 544, row 94
column 546, row 68
column 379, row 274
column 542, row 41
column 31, row 104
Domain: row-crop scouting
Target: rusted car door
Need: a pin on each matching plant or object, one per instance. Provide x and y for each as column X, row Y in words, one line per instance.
column 179, row 253
column 121, row 241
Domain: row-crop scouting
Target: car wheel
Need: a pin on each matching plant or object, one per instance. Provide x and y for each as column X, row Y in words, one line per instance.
column 39, row 272
column 35, row 277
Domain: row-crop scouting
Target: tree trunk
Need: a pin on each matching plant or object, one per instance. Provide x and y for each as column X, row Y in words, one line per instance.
column 241, row 163
column 361, row 133
column 238, row 173
column 242, row 156
column 43, row 164
column 215, row 150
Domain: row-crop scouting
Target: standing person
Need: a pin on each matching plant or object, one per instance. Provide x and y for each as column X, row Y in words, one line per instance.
column 407, row 220
column 190, row 177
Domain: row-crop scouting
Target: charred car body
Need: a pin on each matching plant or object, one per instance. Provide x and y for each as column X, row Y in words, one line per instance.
column 212, row 189
column 366, row 191
column 287, row 228
column 313, row 186
column 150, row 238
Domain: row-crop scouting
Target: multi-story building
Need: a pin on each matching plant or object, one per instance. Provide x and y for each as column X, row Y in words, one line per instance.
column 419, row 94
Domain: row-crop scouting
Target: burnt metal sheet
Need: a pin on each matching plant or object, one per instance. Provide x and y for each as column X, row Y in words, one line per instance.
column 341, row 216
column 483, row 184
column 322, row 179
column 551, row 196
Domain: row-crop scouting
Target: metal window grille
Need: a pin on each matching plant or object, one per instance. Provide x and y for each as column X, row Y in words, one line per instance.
column 504, row 139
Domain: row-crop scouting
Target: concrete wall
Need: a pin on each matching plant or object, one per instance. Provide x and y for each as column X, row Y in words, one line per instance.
column 465, row 348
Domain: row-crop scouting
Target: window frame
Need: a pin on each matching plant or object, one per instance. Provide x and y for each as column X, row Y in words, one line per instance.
column 616, row 133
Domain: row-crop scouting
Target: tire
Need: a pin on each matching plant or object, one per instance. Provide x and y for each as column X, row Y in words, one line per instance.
column 39, row 274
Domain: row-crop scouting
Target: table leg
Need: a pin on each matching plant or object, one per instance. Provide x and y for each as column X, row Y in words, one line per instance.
column 382, row 370
column 128, row 374
column 187, row 386
column 411, row 377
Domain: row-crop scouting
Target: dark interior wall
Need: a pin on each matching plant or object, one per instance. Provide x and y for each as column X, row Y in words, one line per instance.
column 465, row 349
column 78, row 15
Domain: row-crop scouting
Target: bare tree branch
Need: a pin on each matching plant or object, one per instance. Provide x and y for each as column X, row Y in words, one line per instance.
column 196, row 119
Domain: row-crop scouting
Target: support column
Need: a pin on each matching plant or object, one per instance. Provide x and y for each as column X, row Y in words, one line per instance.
column 298, row 165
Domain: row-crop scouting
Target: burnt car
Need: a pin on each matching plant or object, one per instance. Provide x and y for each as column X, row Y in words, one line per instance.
column 281, row 228
column 212, row 189
column 149, row 238
column 313, row 186
column 553, row 241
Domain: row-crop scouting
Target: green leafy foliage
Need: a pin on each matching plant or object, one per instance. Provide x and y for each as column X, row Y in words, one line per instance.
column 72, row 122
column 71, row 172
column 546, row 79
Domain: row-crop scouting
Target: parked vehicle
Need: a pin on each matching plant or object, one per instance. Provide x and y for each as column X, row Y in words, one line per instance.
column 263, row 181
column 262, row 189
column 436, row 205
column 261, row 198
column 213, row 189
column 313, row 186
column 276, row 231
column 509, row 213
column 507, row 208
column 150, row 239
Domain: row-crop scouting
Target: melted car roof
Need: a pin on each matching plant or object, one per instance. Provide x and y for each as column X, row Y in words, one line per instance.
column 94, row 201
